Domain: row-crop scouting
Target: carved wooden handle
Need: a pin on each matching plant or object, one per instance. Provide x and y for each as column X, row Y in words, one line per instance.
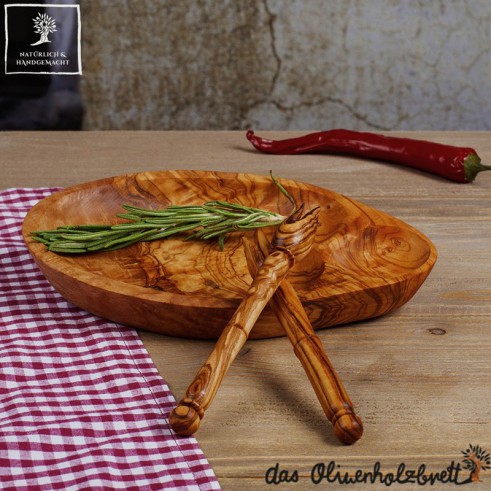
column 308, row 348
column 186, row 417
column 292, row 240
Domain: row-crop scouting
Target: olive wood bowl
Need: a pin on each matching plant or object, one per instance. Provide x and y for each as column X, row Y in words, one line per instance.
column 364, row 262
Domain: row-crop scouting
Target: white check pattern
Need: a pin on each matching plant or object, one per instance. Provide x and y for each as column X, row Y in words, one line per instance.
column 82, row 406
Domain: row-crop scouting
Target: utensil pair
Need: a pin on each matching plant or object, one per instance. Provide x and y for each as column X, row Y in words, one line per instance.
column 269, row 266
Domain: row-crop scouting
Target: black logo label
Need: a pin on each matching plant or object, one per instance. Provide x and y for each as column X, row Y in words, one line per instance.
column 42, row 39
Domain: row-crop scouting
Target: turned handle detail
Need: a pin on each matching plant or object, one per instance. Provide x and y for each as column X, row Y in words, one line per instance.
column 292, row 241
column 308, row 348
column 186, row 417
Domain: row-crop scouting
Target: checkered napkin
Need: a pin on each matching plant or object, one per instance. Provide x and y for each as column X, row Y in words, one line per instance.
column 82, row 406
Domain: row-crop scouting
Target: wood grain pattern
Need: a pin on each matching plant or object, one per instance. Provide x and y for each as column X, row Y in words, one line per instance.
column 308, row 348
column 364, row 263
column 292, row 242
column 419, row 376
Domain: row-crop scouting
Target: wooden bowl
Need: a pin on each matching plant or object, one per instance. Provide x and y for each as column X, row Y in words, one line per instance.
column 365, row 263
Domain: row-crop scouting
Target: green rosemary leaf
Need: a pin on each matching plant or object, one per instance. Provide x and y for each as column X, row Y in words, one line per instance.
column 214, row 219
column 126, row 239
column 221, row 241
column 64, row 245
column 41, row 239
column 260, row 225
column 171, row 231
column 63, row 250
column 284, row 192
column 88, row 228
column 88, row 237
column 136, row 226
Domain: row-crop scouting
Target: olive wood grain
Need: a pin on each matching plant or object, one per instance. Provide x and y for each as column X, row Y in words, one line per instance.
column 292, row 242
column 367, row 263
column 308, row 348
column 433, row 353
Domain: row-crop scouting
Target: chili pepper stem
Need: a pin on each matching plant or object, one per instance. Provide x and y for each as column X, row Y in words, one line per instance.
column 472, row 167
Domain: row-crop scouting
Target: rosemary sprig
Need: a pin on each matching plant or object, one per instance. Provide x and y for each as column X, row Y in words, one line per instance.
column 212, row 220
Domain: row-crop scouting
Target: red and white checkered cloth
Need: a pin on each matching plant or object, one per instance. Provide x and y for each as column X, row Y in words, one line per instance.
column 82, row 405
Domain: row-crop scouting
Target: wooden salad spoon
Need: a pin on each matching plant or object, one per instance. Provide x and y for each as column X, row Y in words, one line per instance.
column 291, row 242
column 308, row 348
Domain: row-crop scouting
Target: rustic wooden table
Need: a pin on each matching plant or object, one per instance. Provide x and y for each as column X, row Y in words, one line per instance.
column 419, row 377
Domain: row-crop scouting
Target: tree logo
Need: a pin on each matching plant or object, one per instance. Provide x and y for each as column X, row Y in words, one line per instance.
column 476, row 459
column 43, row 25
column 55, row 33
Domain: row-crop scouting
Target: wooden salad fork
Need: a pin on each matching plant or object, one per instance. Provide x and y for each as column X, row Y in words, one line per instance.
column 308, row 348
column 291, row 242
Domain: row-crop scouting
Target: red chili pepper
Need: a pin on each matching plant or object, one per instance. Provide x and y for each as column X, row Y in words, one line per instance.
column 459, row 164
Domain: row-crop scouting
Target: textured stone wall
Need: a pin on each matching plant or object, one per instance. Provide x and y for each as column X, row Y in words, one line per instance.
column 287, row 64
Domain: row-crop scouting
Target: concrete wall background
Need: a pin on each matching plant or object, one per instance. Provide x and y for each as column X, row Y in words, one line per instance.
column 287, row 64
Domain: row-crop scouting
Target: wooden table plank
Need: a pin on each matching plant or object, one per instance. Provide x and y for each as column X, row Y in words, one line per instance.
column 419, row 377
